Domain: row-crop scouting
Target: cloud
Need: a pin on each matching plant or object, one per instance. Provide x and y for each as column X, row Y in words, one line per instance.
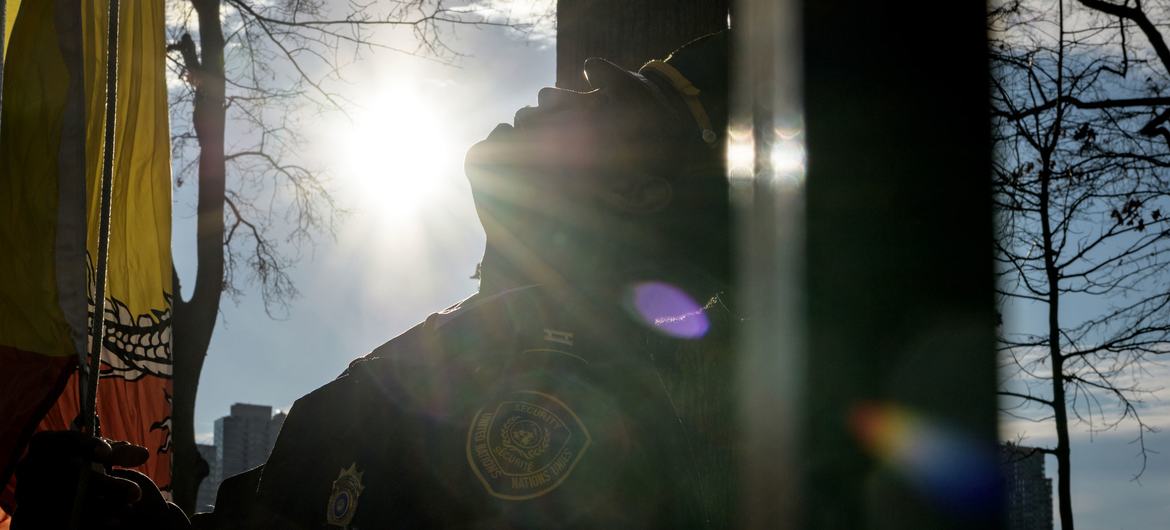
column 1146, row 382
column 1105, row 494
column 532, row 20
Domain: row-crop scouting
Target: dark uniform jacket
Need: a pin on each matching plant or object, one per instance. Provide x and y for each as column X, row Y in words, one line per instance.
column 525, row 409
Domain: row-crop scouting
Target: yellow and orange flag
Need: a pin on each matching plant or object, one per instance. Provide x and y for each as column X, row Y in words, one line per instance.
column 51, row 127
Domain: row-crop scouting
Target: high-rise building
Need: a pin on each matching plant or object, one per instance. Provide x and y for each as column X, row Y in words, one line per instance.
column 1028, row 491
column 244, row 439
column 205, row 497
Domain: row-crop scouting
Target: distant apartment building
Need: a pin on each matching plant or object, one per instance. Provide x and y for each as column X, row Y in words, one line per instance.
column 1028, row 491
column 205, row 497
column 244, row 439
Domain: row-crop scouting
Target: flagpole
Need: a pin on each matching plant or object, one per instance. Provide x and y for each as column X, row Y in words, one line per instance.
column 3, row 48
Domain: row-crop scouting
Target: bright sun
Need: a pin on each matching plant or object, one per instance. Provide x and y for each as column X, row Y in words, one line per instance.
column 394, row 156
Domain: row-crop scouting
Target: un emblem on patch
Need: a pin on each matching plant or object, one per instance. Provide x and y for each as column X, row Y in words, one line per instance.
column 343, row 501
column 524, row 445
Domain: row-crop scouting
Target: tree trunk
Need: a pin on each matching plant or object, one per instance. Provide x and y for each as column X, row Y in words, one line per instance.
column 194, row 319
column 1052, row 274
column 1060, row 410
column 628, row 33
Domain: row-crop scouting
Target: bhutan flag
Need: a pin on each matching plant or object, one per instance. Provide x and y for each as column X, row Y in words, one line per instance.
column 51, row 129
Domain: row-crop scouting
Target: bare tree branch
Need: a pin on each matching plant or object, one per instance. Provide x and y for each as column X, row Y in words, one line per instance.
column 1082, row 187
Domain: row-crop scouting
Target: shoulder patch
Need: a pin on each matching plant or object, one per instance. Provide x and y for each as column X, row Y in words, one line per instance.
column 525, row 444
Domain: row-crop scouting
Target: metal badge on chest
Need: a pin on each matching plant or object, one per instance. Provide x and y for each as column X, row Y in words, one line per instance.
column 343, row 500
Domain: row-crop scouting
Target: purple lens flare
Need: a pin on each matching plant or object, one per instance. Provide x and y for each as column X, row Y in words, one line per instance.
column 669, row 310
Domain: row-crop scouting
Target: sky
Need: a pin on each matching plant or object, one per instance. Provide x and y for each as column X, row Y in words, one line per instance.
column 1105, row 492
column 411, row 241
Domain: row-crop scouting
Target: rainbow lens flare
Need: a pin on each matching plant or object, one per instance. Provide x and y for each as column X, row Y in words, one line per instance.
column 945, row 465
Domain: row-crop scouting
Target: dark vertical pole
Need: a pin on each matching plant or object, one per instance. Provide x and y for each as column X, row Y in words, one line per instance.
column 3, row 50
column 631, row 32
column 901, row 406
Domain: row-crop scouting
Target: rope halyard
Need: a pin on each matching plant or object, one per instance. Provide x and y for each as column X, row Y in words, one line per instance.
column 97, row 322
column 87, row 377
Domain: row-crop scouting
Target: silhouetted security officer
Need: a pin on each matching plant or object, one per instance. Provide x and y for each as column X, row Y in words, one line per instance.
column 587, row 384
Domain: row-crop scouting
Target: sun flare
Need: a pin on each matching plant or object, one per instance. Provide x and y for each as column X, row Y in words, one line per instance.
column 394, row 156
